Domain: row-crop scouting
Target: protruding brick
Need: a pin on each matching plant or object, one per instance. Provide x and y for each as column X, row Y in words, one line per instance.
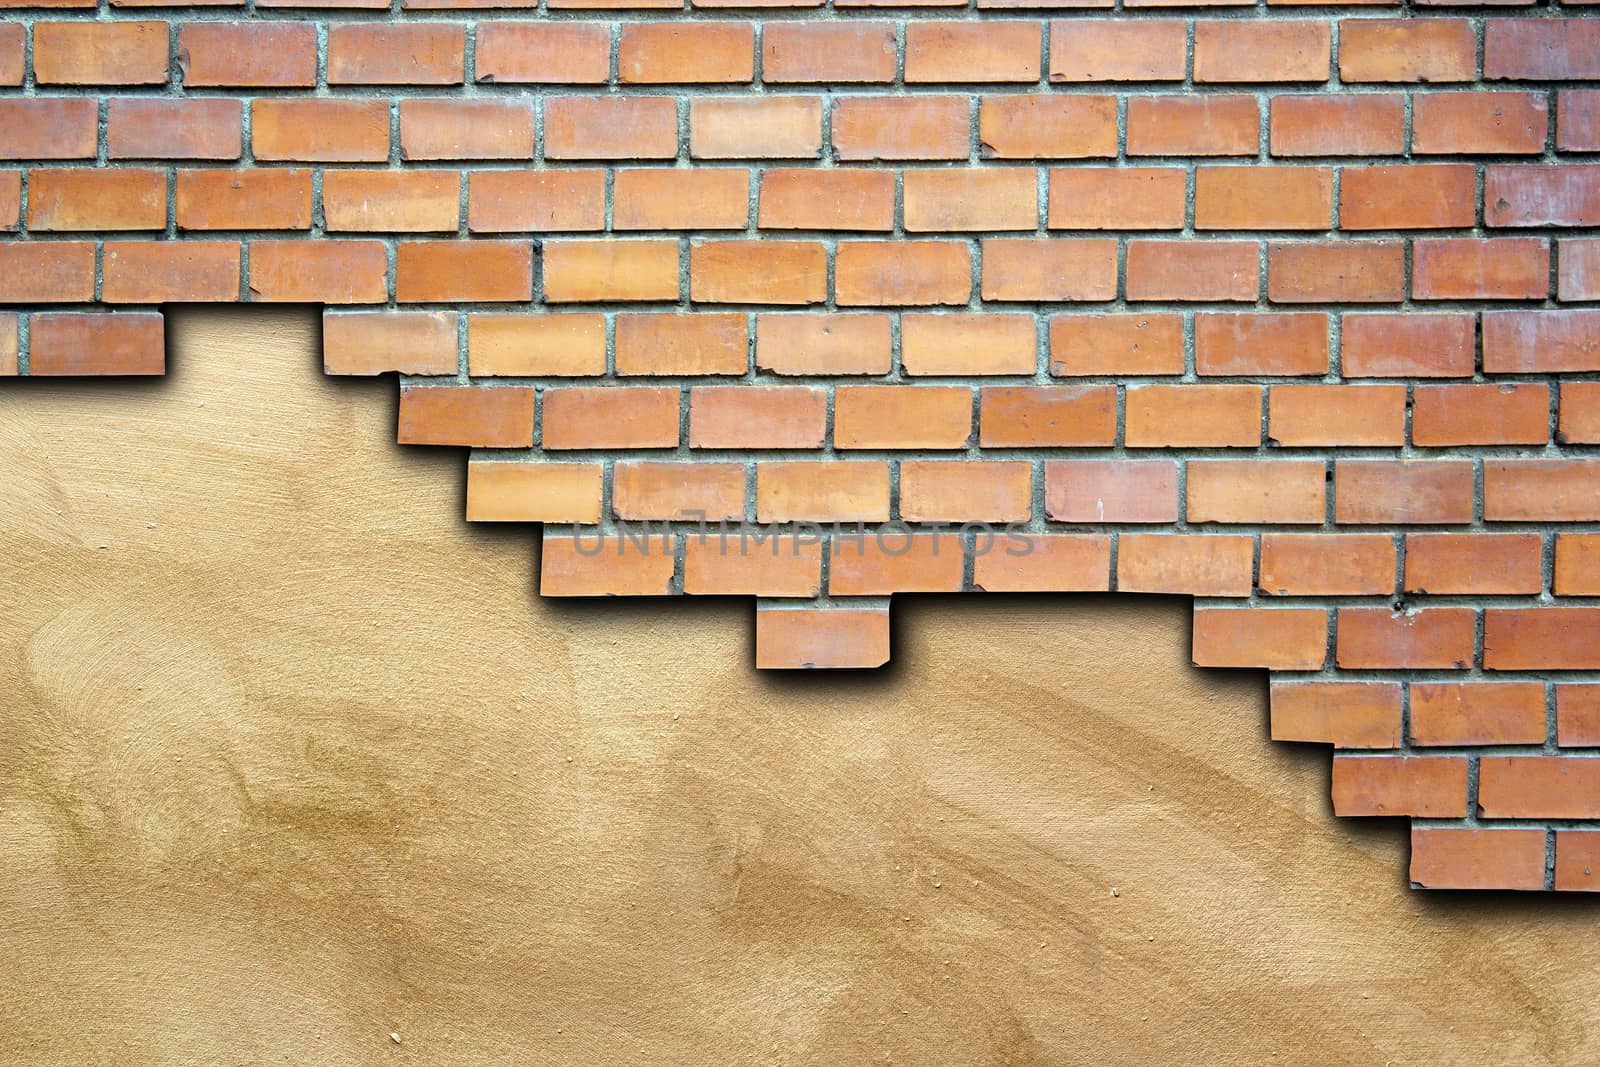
column 1578, row 715
column 1541, row 639
column 74, row 343
column 1577, row 861
column 376, row 342
column 712, row 198
column 533, row 492
column 1541, row 490
column 1541, row 49
column 548, row 344
column 1331, row 415
column 1471, row 268
column 610, row 127
column 1403, row 491
column 606, row 270
column 831, row 638
column 1541, row 195
column 41, row 128
column 1541, row 342
column 1289, row 639
column 1538, row 787
column 467, row 415
column 971, row 198
column 1430, row 787
column 1342, row 714
column 1579, row 422
column 1505, row 123
column 1577, row 569
column 178, row 129
column 1263, row 198
column 606, row 565
column 1348, row 272
column 465, row 129
column 1471, row 858
column 1409, row 344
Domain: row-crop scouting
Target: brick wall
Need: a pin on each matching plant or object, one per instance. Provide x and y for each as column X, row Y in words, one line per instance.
column 1288, row 308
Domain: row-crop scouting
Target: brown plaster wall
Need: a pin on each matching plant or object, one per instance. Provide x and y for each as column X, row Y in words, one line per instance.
column 293, row 761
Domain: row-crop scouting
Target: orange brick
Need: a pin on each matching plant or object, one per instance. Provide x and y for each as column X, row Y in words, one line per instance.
column 1318, row 416
column 126, row 343
column 965, row 491
column 1342, row 714
column 330, row 131
column 781, row 566
column 1042, row 563
column 672, row 53
column 1408, row 344
column 1430, row 787
column 333, row 272
column 444, row 271
column 828, row 491
column 1093, row 490
column 1252, row 491
column 1036, row 269
column 900, row 416
column 10, row 345
column 1407, row 197
column 606, row 565
column 1577, row 570
column 1549, row 787
column 13, row 61
column 1350, row 272
column 376, row 342
column 757, row 127
column 675, row 343
column 1579, row 277
column 1536, row 639
column 534, row 492
column 638, row 416
column 1049, row 416
column 465, row 129
column 1260, row 344
column 768, row 416
column 1095, row 50
column 1263, row 198
column 1031, row 126
column 1502, row 414
column 466, row 415
column 1407, row 50
column 964, row 343
column 1578, row 715
column 1577, row 859
column 1278, row 639
column 833, row 638
column 41, row 272
column 535, row 346
column 179, row 129
column 1327, row 564
column 412, row 54
column 833, row 53
column 855, row 343
column 258, row 198
column 523, row 201
column 125, row 198
column 1450, row 858
column 910, row 127
column 671, row 199
column 1262, row 51
column 1193, row 270
column 1200, row 565
column 606, row 270
column 393, row 201
column 1540, row 342
column 885, row 562
column 1541, row 490
column 1477, row 563
column 1552, row 50
column 610, row 127
column 10, row 199
column 100, row 53
column 1364, row 124
column 1477, row 713
column 1467, row 268
column 1446, row 123
column 549, row 53
column 986, row 198
column 1117, row 198
column 877, row 273
column 254, row 54
column 708, row 491
column 1193, row 416
column 1219, row 124
column 758, row 272
column 1580, row 414
column 1116, row 344
column 1402, row 491
column 50, row 128
column 989, row 51
column 156, row 272
column 826, row 200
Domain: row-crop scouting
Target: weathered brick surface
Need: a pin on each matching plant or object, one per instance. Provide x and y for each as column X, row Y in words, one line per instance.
column 1287, row 308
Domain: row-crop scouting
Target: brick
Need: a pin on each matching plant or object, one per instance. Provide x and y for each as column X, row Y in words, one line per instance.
column 1221, row 124
column 899, row 416
column 1278, row 639
column 671, row 199
column 1407, row 50
column 535, row 346
column 1042, row 563
column 1549, row 787
column 610, row 127
column 1408, row 344
column 1261, row 344
column 1320, row 416
column 466, row 415
column 1096, row 491
column 48, row 128
column 854, row 343
column 333, row 272
column 1263, row 198
column 650, row 490
column 758, row 272
column 604, row 270
column 828, row 491
column 10, row 199
column 895, row 562
column 546, row 53
column 1403, row 491
column 1050, row 269
column 878, row 273
column 1479, row 564
column 391, row 201
column 39, row 272
column 768, row 416
column 1578, row 120
column 1407, row 197
column 328, row 131
column 1451, row 858
column 1430, row 787
column 1505, row 123
column 1468, row 268
column 377, row 342
column 1541, row 638
column 158, row 272
column 832, row 53
column 1047, row 416
column 1539, row 50
column 126, row 198
column 638, row 416
column 1364, row 124
column 1200, row 565
column 1541, row 490
column 100, row 53
column 444, row 271
column 257, row 198
column 909, row 127
column 667, row 53
column 1193, row 270
column 1349, row 272
column 533, row 492
column 1032, row 126
column 1252, row 51
column 1578, row 715
column 1579, row 269
column 988, row 198
column 71, row 343
column 674, row 343
column 1094, row 50
column 465, row 129
column 612, row 565
column 176, row 129
column 779, row 567
column 1472, row 414
column 965, row 491
column 826, row 200
column 1579, row 421
column 1117, row 344
column 524, row 201
column 1295, row 564
column 1117, row 198
column 1477, row 713
column 1577, row 859
column 835, row 638
column 988, row 51
column 1193, row 416
column 10, row 341
column 248, row 54
column 1541, row 342
column 1577, row 565
column 967, row 344
column 13, row 62
column 1257, row 491
column 1342, row 714
column 1541, row 195
column 411, row 54
column 764, row 127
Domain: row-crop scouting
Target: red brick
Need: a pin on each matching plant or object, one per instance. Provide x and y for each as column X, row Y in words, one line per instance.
column 899, row 416
column 1042, row 563
column 649, row 490
column 1467, row 268
column 1578, row 716
column 606, row 565
column 1408, row 197
column 1091, row 50
column 1262, row 51
column 1263, row 198
column 413, row 201
column 1480, row 414
column 1578, row 120
column 987, row 198
column 1117, row 198
column 1477, row 713
column 578, row 417
column 523, row 201
column 674, row 343
column 465, row 129
column 1200, row 565
column 878, row 273
column 534, row 492
column 606, row 270
column 755, row 127
column 100, row 53
column 934, row 343
column 1536, row 639
column 1403, row 491
column 1032, row 126
column 48, row 128
column 1295, row 564
column 832, row 638
column 1548, row 787
column 376, row 342
column 1577, row 859
column 668, row 53
column 1579, row 423
column 331, row 131
column 829, row 491
column 1423, row 786
column 1193, row 270
column 1342, row 714
column 1478, row 563
column 1541, row 195
column 1347, row 272
column 758, row 272
column 253, row 54
column 548, row 53
column 610, row 127
column 125, row 198
column 175, row 129
column 10, row 199
column 1047, row 416
column 467, row 415
column 767, row 416
column 126, row 343
column 1049, row 269
column 1318, row 416
column 1288, row 492
column 832, row 53
column 1510, row 123
column 1541, row 490
column 1577, row 569
column 1212, row 125
column 46, row 272
column 1097, row 490
column 1117, row 344
column 1539, row 342
column 1278, row 639
column 895, row 562
column 868, row 128
column 1540, row 49
column 1579, row 269
column 1452, row 858
column 988, row 51
column 258, row 198
column 156, row 272
column 965, row 491
column 13, row 62
column 333, row 272
column 1407, row 50
column 826, row 200
column 673, row 199
column 1364, row 124
column 443, row 271
column 412, row 54
column 1409, row 344
column 1251, row 343
column 534, row 346
column 778, row 567
column 1193, row 416
column 824, row 343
